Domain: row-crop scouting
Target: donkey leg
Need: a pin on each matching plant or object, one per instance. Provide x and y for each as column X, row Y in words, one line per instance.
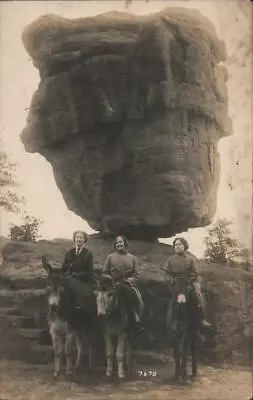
column 130, row 356
column 58, row 347
column 194, row 364
column 120, row 353
column 109, row 354
column 184, row 359
column 90, row 357
column 89, row 342
column 69, row 353
column 176, row 354
column 194, row 357
column 79, row 345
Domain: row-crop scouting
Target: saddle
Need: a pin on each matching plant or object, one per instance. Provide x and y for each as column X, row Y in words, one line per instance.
column 83, row 294
column 128, row 294
column 133, row 301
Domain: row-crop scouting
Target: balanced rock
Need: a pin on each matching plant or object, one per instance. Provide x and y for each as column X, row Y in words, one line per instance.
column 129, row 112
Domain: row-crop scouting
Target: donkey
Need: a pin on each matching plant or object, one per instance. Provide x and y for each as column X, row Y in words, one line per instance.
column 69, row 325
column 118, row 326
column 182, row 325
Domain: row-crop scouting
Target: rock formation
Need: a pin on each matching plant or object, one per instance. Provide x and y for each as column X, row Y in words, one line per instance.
column 129, row 112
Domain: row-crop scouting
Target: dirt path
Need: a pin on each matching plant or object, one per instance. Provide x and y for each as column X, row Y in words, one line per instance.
column 21, row 381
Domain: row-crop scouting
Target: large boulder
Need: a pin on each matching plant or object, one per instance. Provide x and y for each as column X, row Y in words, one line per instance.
column 129, row 112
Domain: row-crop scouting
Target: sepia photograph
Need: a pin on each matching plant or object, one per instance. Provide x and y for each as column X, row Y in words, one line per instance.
column 126, row 267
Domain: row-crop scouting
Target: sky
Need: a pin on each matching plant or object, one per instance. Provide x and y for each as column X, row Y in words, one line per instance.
column 19, row 79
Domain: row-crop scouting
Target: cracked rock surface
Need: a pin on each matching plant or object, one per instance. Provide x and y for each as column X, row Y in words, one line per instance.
column 129, row 112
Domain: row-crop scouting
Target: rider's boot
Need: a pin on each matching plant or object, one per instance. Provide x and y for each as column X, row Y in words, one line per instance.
column 205, row 326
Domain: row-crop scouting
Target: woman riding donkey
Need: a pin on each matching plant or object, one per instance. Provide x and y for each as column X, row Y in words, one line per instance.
column 120, row 304
column 79, row 273
column 122, row 267
column 182, row 263
column 72, row 304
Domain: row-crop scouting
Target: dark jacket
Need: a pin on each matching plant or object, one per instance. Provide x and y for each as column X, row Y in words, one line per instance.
column 81, row 265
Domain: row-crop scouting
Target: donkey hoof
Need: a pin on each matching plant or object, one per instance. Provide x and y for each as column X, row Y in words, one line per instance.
column 175, row 378
column 69, row 376
column 121, row 377
column 77, row 370
column 56, row 375
column 184, row 381
column 109, row 378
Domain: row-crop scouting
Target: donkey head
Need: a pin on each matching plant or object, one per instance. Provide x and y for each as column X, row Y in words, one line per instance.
column 106, row 296
column 54, row 285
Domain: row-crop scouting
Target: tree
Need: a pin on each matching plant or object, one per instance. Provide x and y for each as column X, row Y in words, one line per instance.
column 28, row 231
column 129, row 2
column 221, row 247
column 9, row 200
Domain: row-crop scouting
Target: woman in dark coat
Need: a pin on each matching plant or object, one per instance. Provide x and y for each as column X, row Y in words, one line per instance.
column 79, row 261
column 78, row 269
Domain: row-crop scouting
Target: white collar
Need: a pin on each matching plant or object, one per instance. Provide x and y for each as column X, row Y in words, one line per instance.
column 79, row 250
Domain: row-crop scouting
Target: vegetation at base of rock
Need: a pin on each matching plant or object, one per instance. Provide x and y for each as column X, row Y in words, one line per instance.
column 28, row 231
column 129, row 2
column 222, row 247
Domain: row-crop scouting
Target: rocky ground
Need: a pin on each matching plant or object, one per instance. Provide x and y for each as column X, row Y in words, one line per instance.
column 23, row 381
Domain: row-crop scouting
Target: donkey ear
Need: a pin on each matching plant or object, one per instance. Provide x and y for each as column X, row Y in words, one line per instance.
column 45, row 264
